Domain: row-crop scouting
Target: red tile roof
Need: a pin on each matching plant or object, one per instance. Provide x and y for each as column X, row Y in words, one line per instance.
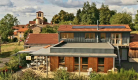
column 134, row 41
column 31, row 22
column 69, row 28
column 20, row 26
column 51, row 38
column 22, row 29
column 15, row 33
column 39, row 12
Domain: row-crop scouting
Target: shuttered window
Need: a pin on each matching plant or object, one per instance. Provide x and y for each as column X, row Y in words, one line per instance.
column 89, row 35
column 67, row 35
column 103, row 35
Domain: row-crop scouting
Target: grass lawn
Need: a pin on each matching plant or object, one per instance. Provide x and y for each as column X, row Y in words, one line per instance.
column 134, row 32
column 10, row 48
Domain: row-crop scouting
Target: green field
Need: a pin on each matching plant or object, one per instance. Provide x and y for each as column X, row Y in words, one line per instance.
column 10, row 48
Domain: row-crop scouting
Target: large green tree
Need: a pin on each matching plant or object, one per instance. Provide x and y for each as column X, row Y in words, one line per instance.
column 121, row 18
column 77, row 19
column 136, row 22
column 62, row 16
column 49, row 29
column 89, row 14
column 105, row 14
column 6, row 25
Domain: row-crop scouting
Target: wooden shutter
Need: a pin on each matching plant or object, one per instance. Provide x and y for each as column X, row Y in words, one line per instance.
column 54, row 63
column 69, row 63
column 93, row 63
column 108, row 64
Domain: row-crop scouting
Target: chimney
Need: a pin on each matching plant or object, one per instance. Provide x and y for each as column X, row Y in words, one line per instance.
column 97, row 25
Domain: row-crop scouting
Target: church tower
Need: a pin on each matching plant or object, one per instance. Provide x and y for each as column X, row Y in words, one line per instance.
column 39, row 17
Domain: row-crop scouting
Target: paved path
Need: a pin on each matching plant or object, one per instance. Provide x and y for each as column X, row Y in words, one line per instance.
column 4, row 60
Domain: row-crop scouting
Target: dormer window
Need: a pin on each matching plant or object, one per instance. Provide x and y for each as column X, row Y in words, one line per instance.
column 89, row 35
column 67, row 35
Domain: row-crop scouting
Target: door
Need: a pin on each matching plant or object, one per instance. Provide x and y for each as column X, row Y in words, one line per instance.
column 124, row 54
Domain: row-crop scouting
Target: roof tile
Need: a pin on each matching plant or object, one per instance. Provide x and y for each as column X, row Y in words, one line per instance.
column 22, row 29
column 51, row 38
column 134, row 41
column 69, row 28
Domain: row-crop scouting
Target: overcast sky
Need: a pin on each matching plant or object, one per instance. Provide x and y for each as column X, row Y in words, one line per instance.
column 25, row 10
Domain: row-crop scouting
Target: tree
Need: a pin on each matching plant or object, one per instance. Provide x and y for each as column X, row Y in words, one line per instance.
column 136, row 22
column 48, row 29
column 105, row 14
column 88, row 15
column 27, row 32
column 6, row 25
column 121, row 18
column 62, row 16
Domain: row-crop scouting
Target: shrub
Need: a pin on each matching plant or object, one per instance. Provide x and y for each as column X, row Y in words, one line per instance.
column 122, row 75
column 61, row 75
column 15, row 39
column 30, row 75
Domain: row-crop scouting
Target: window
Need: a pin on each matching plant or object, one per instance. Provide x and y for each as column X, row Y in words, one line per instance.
column 100, row 60
column 67, row 35
column 89, row 35
column 76, row 65
column 103, row 35
column 116, row 38
column 39, row 14
column 61, row 62
column 85, row 60
column 84, row 63
column 100, row 64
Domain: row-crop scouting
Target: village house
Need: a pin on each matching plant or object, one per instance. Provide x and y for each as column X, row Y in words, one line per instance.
column 20, row 33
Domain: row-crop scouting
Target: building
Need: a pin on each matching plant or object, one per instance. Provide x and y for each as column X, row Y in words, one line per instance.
column 20, row 33
column 133, row 48
column 97, row 46
column 36, row 30
column 79, row 47
column 39, row 19
column 42, row 39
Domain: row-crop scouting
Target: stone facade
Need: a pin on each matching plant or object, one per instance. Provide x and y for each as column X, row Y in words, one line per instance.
column 36, row 30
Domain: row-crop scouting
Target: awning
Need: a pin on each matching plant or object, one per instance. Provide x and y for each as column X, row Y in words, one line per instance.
column 46, row 52
column 41, row 52
column 29, row 50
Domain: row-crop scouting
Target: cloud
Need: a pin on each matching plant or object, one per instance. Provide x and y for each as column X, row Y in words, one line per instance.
column 6, row 3
column 129, row 10
column 40, row 1
column 26, row 10
column 121, row 2
column 68, row 4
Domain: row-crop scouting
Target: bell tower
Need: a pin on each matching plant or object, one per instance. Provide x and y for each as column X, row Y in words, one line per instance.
column 39, row 17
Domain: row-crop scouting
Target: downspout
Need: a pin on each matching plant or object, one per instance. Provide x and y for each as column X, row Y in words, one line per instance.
column 97, row 30
column 119, row 55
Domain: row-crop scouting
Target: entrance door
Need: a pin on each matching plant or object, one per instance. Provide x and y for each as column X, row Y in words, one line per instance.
column 124, row 54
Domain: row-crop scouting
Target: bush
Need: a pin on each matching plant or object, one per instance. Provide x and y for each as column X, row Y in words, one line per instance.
column 61, row 75
column 15, row 39
column 30, row 75
column 122, row 75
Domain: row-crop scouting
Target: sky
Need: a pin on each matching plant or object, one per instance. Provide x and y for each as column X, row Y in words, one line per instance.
column 25, row 10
